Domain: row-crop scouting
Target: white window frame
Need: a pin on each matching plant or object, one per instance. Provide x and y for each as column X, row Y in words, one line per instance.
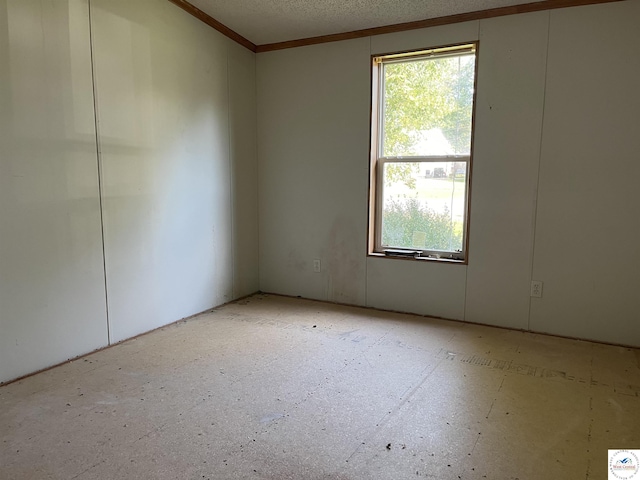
column 378, row 160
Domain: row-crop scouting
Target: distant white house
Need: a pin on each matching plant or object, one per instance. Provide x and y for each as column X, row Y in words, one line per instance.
column 430, row 143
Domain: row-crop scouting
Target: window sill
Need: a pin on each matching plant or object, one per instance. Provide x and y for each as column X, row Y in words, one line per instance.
column 417, row 259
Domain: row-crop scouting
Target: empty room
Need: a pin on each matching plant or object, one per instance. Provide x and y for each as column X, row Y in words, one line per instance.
column 319, row 240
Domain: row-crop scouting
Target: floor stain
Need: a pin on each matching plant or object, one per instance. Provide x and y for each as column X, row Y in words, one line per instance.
column 271, row 417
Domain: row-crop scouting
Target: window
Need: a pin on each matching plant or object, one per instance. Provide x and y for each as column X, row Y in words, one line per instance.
column 421, row 125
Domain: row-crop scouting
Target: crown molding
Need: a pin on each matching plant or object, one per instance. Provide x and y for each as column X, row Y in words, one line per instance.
column 212, row 22
column 399, row 27
column 431, row 22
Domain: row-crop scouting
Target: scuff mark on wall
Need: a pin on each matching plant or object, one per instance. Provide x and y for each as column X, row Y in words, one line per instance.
column 295, row 262
column 344, row 263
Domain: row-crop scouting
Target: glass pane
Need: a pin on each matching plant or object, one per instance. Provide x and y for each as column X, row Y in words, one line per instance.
column 427, row 106
column 423, row 205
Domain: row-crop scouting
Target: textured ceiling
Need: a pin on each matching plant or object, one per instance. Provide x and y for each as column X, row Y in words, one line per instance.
column 270, row 21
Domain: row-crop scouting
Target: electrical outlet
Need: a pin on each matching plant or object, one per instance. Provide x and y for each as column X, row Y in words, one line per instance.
column 316, row 265
column 536, row 288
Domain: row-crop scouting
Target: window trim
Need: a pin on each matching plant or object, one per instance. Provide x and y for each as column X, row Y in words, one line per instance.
column 374, row 231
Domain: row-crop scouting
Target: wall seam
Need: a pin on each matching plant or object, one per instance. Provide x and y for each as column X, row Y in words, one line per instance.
column 232, row 177
column 259, row 207
column 256, row 162
column 534, row 219
column 366, row 256
column 99, row 168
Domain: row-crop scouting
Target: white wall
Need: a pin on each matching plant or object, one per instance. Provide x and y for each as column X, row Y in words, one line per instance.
column 556, row 110
column 509, row 109
column 587, row 226
column 176, row 111
column 52, row 304
column 312, row 139
column 244, row 168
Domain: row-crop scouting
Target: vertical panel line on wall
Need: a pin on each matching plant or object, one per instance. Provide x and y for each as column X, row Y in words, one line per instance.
column 534, row 205
column 232, row 177
column 366, row 245
column 257, row 167
column 99, row 163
